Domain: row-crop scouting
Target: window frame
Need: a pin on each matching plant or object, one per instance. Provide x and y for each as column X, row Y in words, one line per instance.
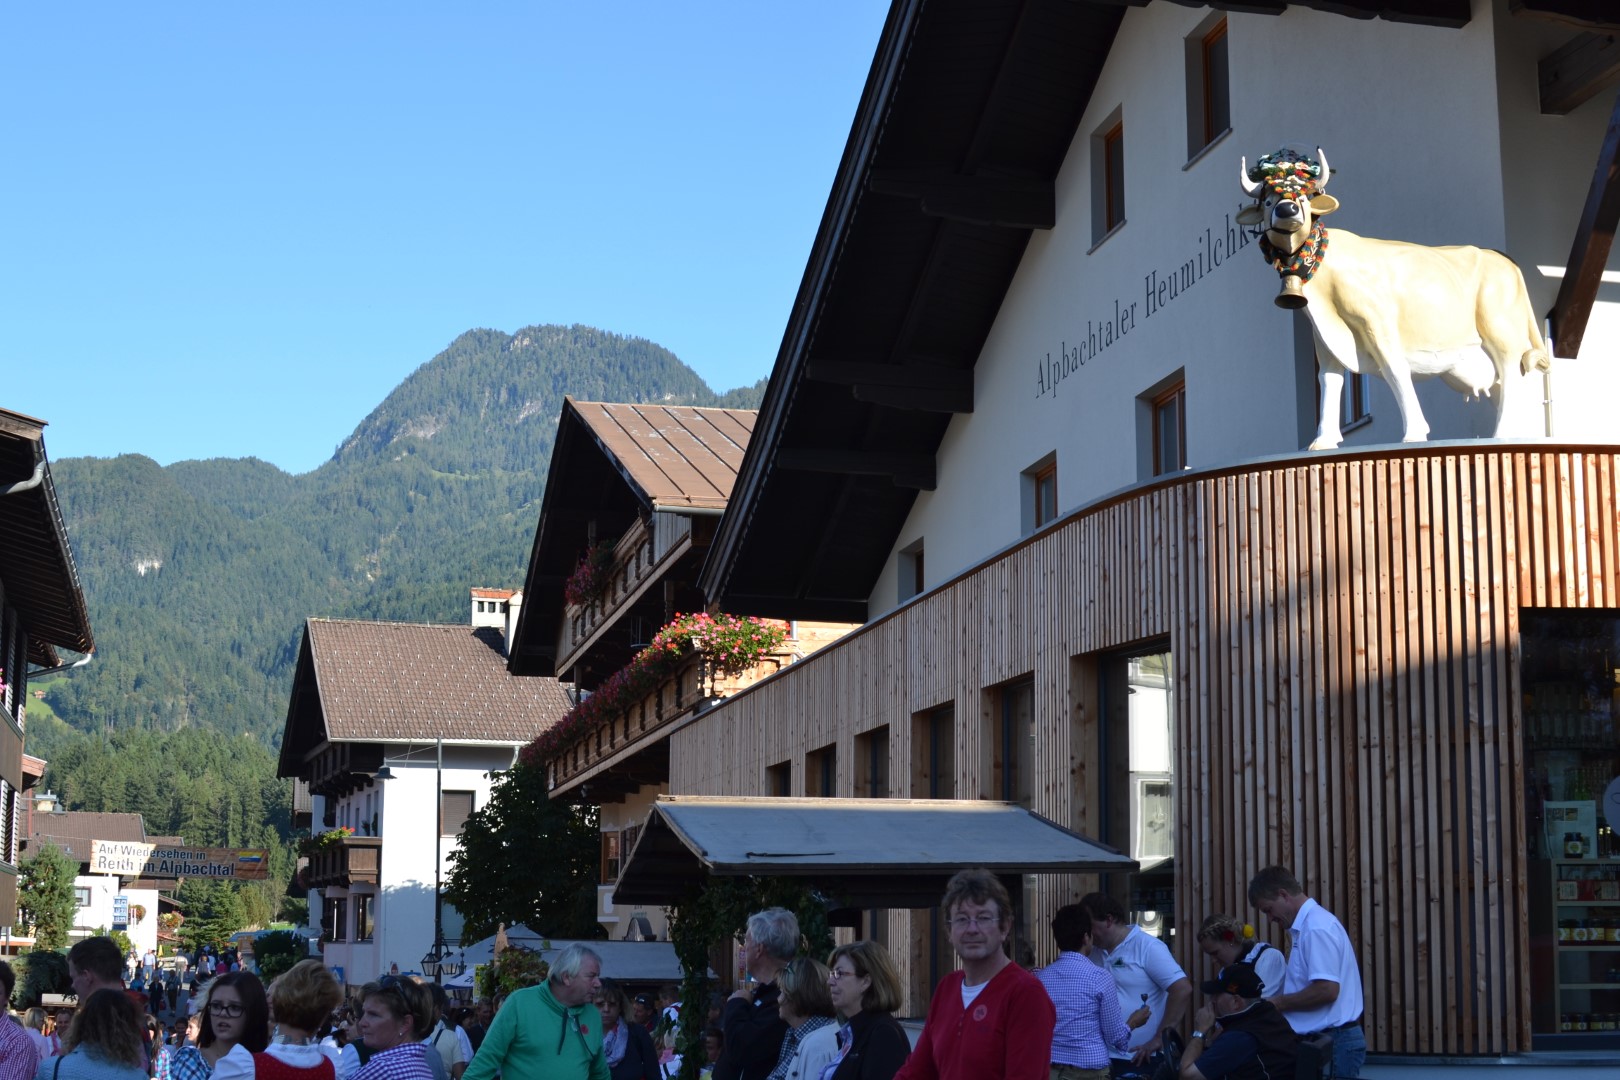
column 1176, row 393
column 444, row 816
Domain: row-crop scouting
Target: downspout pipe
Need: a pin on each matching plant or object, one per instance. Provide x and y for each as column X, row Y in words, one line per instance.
column 79, row 663
column 29, row 484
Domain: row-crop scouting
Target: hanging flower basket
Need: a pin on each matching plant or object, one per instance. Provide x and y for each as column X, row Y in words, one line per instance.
column 590, row 580
column 729, row 643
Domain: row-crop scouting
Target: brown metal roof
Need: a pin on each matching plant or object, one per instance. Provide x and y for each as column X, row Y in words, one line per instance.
column 73, row 830
column 36, row 564
column 678, row 456
column 381, row 682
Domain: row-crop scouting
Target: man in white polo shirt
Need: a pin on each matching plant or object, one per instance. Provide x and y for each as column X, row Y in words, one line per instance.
column 1145, row 974
column 1322, row 985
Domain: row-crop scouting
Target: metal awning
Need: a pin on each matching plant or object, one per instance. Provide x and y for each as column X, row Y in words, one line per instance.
column 894, row 853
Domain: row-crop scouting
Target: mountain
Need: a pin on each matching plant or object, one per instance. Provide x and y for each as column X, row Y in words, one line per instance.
column 199, row 575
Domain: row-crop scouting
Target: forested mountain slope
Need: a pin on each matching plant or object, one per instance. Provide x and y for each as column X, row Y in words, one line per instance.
column 199, row 576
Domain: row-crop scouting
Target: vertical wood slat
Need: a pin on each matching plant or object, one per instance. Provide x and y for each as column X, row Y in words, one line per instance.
column 1345, row 640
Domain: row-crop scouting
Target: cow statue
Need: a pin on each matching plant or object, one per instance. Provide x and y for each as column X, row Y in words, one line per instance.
column 1400, row 310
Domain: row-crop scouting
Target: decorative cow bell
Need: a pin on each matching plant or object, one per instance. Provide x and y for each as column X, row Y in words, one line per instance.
column 1401, row 310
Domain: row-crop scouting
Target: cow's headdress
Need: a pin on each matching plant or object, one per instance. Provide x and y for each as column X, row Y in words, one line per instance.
column 1288, row 173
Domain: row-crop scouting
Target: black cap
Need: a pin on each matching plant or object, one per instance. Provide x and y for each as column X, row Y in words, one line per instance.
column 1239, row 979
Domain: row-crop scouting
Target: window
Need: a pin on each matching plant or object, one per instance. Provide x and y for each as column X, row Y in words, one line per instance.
column 872, row 764
column 364, row 923
column 454, row 809
column 1138, row 706
column 340, row 918
column 779, row 779
column 1012, row 742
column 1170, row 430
column 1107, row 178
column 821, row 772
column 933, row 754
column 627, row 843
column 1209, row 85
column 911, row 571
column 1038, row 494
column 81, row 895
column 1354, row 408
column 610, row 857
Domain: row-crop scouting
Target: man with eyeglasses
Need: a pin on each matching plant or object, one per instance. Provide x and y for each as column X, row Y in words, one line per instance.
column 551, row 1031
column 992, row 1020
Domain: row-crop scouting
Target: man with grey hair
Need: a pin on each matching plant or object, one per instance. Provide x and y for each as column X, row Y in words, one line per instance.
column 551, row 1031
column 753, row 1029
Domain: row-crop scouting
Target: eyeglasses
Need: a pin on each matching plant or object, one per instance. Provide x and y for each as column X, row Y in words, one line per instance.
column 982, row 921
column 835, row 975
column 229, row 1010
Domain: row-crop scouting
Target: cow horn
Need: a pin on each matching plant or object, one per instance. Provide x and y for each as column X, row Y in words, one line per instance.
column 1321, row 181
column 1251, row 188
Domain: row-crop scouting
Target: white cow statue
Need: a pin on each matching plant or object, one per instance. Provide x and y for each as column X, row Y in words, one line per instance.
column 1399, row 310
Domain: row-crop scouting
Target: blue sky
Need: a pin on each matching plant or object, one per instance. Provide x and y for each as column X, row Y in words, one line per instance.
column 230, row 229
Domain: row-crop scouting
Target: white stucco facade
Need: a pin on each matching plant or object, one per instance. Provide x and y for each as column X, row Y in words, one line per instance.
column 406, row 818
column 1435, row 137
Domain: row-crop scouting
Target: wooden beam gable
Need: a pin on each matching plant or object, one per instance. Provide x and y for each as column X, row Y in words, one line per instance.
column 1594, row 236
column 1578, row 71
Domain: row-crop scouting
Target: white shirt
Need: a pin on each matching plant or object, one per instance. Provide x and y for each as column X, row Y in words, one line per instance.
column 1321, row 950
column 1142, row 967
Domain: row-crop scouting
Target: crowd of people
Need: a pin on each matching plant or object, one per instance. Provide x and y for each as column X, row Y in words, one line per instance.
column 1112, row 1005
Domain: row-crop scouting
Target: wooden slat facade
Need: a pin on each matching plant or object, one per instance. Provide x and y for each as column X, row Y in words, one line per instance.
column 1344, row 631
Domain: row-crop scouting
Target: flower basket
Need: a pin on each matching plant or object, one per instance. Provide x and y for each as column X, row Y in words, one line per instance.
column 590, row 580
column 729, row 644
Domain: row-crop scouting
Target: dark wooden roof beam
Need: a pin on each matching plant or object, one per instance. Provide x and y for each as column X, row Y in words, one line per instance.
column 1448, row 13
column 1594, row 236
column 927, row 388
column 905, row 470
column 1012, row 203
column 1578, row 71
column 1588, row 14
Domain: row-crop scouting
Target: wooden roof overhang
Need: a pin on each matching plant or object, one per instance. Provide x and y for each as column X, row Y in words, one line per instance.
column 584, row 484
column 968, row 112
column 36, row 563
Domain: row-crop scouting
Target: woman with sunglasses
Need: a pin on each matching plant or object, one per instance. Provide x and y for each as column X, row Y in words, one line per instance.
column 300, row 1001
column 865, row 991
column 395, row 1016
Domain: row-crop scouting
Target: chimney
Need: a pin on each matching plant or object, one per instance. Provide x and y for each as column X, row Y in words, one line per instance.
column 514, row 605
column 489, row 607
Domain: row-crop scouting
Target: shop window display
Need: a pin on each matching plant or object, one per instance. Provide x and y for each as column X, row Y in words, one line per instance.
column 1571, row 711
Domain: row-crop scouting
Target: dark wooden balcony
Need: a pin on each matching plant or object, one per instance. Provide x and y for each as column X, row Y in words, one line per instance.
column 356, row 860
column 634, row 562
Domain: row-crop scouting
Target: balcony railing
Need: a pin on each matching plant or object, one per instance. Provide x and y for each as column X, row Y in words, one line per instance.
column 642, row 724
column 637, row 558
column 356, row 860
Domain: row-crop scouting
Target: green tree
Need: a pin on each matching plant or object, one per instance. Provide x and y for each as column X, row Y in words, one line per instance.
column 496, row 878
column 215, row 913
column 40, row 972
column 45, row 896
column 277, row 952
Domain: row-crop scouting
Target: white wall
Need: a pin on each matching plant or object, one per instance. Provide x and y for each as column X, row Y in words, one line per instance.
column 1408, row 118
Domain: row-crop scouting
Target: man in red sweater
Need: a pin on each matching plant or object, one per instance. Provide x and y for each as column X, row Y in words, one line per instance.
column 992, row 1020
